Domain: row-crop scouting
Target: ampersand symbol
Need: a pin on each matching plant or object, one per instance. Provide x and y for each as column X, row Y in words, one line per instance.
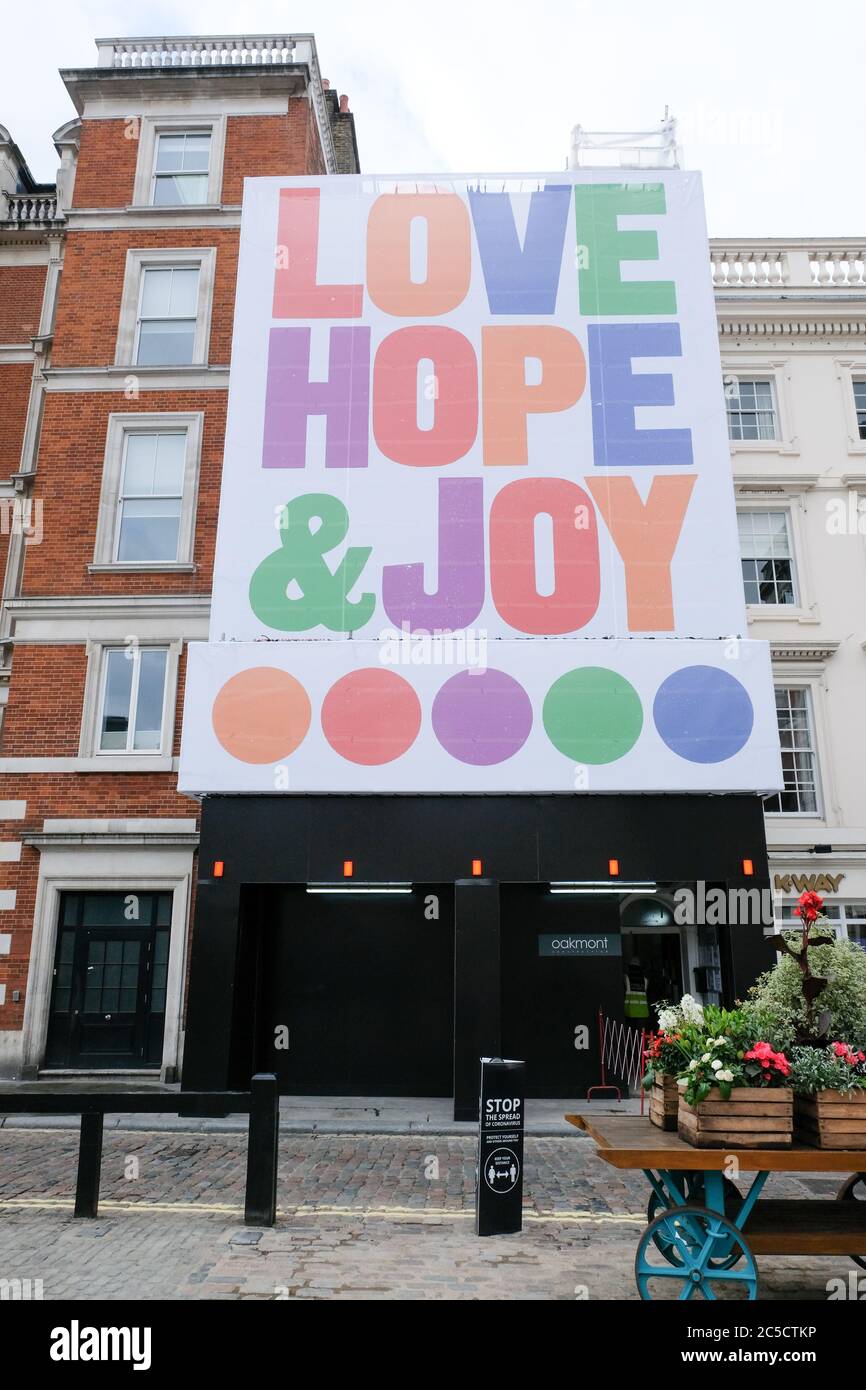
column 323, row 599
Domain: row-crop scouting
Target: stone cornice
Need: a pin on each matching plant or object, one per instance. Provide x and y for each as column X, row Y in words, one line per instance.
column 765, row 327
column 91, row 606
column 803, row 651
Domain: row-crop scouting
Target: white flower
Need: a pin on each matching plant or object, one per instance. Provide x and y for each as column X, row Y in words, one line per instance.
column 715, row 1064
column 706, row 1057
column 692, row 1065
column 724, row 1076
column 691, row 1010
column 668, row 1020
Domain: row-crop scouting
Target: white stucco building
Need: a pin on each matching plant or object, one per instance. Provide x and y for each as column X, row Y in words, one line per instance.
column 792, row 327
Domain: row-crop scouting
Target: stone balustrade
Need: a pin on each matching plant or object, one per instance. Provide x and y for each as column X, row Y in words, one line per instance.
column 260, row 50
column 29, row 209
column 753, row 266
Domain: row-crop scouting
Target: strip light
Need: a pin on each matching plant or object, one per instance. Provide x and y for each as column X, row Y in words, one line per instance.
column 599, row 887
column 347, row 889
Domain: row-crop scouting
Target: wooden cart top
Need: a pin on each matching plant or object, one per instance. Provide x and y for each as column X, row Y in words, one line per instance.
column 630, row 1141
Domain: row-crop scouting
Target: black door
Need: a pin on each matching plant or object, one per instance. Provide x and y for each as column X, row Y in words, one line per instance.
column 108, row 996
column 550, row 1002
column 360, row 988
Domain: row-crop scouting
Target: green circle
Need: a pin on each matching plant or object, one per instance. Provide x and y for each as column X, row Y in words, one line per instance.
column 592, row 715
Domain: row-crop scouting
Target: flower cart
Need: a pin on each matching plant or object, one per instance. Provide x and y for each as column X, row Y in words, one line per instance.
column 703, row 1233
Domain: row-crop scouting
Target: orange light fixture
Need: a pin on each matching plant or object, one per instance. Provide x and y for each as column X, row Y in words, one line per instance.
column 748, row 868
column 218, row 868
column 477, row 868
column 613, row 868
column 348, row 868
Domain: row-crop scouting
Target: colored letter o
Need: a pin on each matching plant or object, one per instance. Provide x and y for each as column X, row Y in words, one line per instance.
column 455, row 396
column 449, row 254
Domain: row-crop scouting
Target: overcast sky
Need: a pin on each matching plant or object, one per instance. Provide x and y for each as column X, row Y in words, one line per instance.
column 771, row 100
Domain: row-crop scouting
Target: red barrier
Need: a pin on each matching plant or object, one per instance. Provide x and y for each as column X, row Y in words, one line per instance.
column 621, row 1049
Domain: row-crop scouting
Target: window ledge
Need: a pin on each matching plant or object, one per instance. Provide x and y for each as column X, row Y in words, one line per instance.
column 144, row 567
column 103, row 762
column 762, row 446
column 154, row 368
column 194, row 209
column 778, row 613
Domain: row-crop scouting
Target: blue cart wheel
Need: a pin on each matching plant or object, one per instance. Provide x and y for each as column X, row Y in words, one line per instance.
column 688, row 1252
column 854, row 1190
column 692, row 1186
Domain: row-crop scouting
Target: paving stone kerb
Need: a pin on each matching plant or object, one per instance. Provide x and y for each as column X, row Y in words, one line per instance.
column 359, row 1217
column 328, row 1115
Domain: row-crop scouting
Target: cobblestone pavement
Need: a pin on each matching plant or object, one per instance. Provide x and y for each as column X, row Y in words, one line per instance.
column 372, row 1216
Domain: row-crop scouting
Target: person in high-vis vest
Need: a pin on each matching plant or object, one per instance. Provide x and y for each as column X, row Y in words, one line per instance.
column 636, row 1002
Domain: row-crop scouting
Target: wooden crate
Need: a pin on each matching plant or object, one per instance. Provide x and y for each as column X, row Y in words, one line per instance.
column 664, row 1102
column 830, row 1120
column 751, row 1119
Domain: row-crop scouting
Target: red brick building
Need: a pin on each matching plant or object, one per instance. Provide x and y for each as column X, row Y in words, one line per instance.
column 117, row 291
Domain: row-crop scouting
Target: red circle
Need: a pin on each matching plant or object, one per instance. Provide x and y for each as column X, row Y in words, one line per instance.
column 371, row 716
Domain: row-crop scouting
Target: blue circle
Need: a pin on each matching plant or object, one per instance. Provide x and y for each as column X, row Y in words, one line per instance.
column 703, row 714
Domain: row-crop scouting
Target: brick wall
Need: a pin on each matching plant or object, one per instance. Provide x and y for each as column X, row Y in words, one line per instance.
column 69, row 481
column 15, row 378
column 105, row 174
column 44, row 718
column 21, row 291
column 264, row 146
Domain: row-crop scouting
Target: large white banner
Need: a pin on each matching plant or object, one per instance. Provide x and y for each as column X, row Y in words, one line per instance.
column 490, row 408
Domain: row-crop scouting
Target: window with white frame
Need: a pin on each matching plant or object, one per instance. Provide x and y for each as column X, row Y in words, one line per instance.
column 181, row 165
column 179, row 161
column 149, row 487
column 132, row 699
column 751, row 406
column 860, row 407
column 766, row 557
column 150, row 497
column 167, row 314
column 799, row 758
column 855, row 923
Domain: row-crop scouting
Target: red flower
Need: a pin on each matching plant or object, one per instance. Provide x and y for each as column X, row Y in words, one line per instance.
column 763, row 1053
column 811, row 905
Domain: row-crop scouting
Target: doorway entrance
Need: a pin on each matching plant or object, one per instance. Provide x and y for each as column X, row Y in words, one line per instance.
column 659, row 956
column 109, row 986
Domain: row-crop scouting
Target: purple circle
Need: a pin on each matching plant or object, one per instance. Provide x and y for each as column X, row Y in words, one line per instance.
column 703, row 714
column 482, row 717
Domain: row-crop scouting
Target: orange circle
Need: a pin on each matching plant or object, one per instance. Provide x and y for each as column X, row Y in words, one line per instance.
column 261, row 715
column 371, row 716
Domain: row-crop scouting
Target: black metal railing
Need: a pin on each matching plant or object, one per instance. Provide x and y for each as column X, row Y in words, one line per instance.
column 261, row 1102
